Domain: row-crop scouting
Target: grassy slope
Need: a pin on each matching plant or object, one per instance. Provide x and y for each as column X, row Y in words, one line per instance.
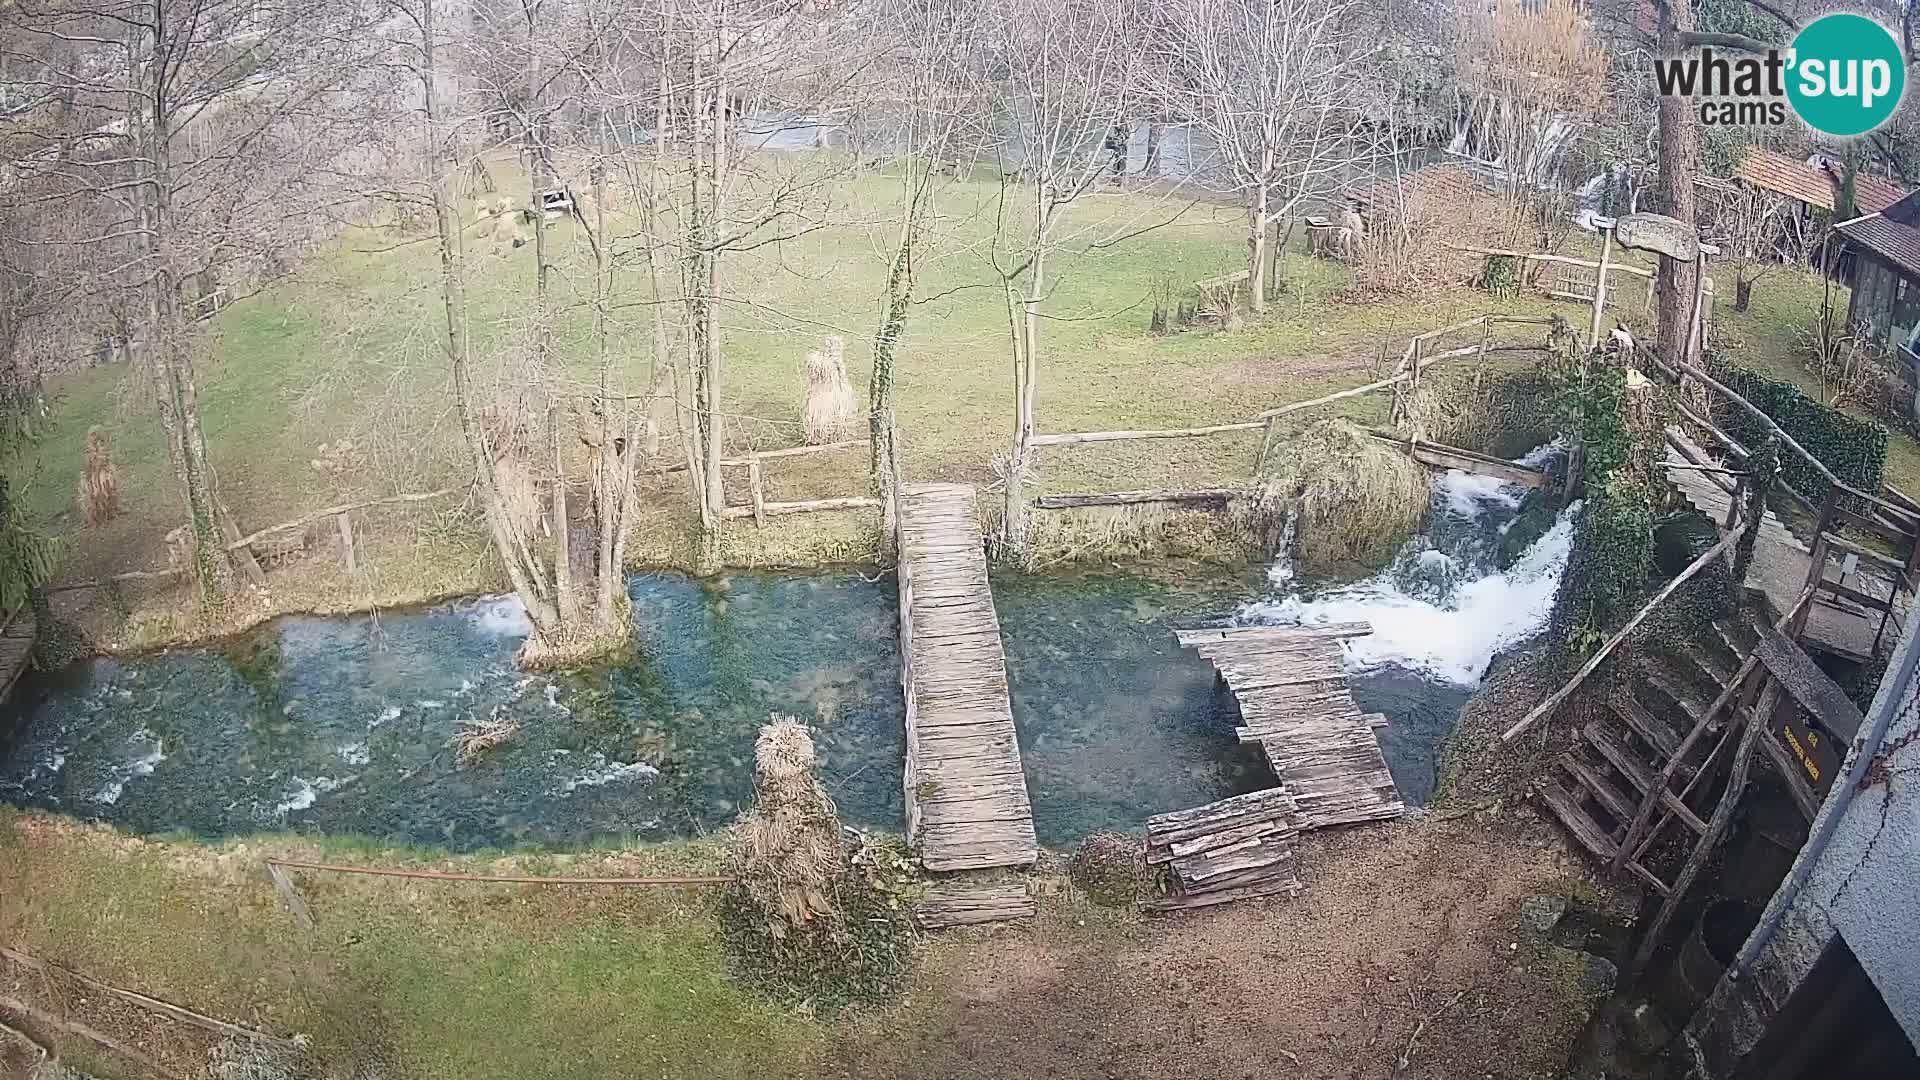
column 348, row 350
column 439, row 980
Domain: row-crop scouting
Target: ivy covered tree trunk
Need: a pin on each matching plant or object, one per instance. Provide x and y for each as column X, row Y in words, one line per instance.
column 1679, row 161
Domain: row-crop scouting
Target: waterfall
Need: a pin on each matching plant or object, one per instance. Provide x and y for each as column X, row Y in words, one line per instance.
column 1444, row 609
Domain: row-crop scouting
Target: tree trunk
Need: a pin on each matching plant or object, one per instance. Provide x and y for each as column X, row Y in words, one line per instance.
column 1257, row 252
column 527, row 583
column 1155, row 132
column 1742, row 293
column 884, row 460
column 167, row 347
column 1679, row 159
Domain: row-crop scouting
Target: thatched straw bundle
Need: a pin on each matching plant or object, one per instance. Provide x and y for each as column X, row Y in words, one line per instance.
column 100, row 482
column 1346, row 498
column 790, row 851
column 831, row 409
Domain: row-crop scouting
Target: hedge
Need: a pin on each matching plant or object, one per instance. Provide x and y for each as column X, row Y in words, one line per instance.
column 1856, row 450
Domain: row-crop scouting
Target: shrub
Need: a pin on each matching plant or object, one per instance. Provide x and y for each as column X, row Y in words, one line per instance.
column 1856, row 450
column 1608, row 567
column 812, row 920
column 1346, row 498
column 1111, row 868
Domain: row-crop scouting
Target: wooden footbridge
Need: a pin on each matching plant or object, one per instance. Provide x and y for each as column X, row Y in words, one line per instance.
column 966, row 795
column 16, row 648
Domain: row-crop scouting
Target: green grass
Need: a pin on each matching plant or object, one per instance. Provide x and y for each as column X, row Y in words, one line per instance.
column 348, row 349
column 437, row 979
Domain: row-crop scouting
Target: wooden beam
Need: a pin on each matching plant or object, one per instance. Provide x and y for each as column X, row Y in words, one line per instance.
column 1075, row 438
column 1128, row 498
column 151, row 1004
column 1542, row 256
column 1758, row 722
column 1613, row 642
column 778, row 509
column 1452, row 457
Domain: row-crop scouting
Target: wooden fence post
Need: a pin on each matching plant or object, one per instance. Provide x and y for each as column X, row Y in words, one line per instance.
column 1762, row 466
column 1600, row 289
column 756, row 490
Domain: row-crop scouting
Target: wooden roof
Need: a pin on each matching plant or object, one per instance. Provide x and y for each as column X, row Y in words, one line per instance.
column 1815, row 185
column 1892, row 240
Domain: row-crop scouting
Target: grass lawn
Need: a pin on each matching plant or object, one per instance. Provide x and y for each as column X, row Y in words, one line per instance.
column 430, row 980
column 348, row 350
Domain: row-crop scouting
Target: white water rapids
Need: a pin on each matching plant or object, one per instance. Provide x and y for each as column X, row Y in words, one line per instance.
column 1444, row 609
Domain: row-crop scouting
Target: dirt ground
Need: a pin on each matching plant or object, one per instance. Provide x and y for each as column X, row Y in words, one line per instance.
column 1399, row 958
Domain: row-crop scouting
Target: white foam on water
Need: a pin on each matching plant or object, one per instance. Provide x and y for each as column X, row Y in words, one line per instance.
column 1468, row 494
column 147, row 754
column 1455, row 637
column 355, row 753
column 387, row 715
column 503, row 616
column 301, row 794
column 601, row 772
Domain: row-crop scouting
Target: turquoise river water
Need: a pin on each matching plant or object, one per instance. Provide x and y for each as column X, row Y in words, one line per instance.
column 344, row 726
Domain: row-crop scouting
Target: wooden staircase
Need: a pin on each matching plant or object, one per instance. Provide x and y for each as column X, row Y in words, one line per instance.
column 1642, row 763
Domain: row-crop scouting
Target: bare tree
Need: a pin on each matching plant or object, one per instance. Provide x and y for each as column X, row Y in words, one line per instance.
column 1277, row 88
column 192, row 162
column 926, row 86
column 1067, row 76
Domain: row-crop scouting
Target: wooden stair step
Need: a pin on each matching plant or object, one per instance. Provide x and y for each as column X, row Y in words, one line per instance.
column 1657, row 732
column 1710, row 665
column 1615, row 751
column 1590, row 833
column 1685, row 696
column 1604, row 791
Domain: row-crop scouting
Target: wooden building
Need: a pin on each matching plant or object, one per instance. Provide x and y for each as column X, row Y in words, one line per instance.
column 1885, row 250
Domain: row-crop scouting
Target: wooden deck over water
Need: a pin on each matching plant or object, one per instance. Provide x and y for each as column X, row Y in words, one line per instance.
column 1291, row 684
column 966, row 796
column 1781, row 562
column 16, row 648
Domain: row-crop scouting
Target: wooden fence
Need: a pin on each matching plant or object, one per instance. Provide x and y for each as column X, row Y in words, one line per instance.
column 1414, row 361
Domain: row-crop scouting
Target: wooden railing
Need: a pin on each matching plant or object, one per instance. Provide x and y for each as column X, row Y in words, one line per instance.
column 1414, row 361
column 758, row 507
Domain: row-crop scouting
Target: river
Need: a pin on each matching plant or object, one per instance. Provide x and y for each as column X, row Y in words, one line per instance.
column 344, row 726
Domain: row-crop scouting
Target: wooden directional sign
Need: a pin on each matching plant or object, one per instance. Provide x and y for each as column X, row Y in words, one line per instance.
column 1658, row 232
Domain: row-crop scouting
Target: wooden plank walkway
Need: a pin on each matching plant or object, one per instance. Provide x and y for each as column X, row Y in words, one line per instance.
column 1781, row 562
column 16, row 648
column 966, row 795
column 1291, row 684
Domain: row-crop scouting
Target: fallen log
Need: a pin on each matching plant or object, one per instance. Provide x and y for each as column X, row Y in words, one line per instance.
column 1131, row 498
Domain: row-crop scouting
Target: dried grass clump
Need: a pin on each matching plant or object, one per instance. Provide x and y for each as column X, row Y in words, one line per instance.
column 475, row 738
column 1111, row 868
column 790, row 849
column 831, row 409
column 100, row 481
column 810, row 920
column 1338, row 496
column 1118, row 533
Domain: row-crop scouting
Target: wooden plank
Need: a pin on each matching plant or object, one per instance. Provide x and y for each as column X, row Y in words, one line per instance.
column 1603, row 790
column 962, row 903
column 1568, row 810
column 1283, row 884
column 1212, row 841
column 1808, row 685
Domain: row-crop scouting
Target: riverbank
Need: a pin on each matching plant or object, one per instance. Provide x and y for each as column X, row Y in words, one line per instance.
column 1406, row 941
